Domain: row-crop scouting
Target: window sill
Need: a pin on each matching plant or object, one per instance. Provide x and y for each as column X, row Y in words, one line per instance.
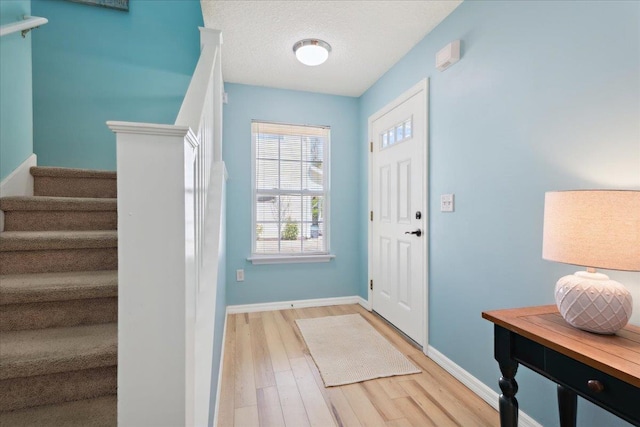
column 289, row 259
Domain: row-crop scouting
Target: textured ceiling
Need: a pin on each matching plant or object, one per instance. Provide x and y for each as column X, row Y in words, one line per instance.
column 367, row 37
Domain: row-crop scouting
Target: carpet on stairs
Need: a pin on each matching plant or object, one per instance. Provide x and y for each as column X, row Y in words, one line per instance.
column 58, row 301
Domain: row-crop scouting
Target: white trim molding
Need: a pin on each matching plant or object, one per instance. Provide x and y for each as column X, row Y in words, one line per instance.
column 18, row 183
column 485, row 392
column 305, row 303
column 216, row 407
column 289, row 259
column 137, row 128
column 364, row 303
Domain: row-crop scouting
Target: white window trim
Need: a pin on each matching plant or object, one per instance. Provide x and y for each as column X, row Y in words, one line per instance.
column 291, row 258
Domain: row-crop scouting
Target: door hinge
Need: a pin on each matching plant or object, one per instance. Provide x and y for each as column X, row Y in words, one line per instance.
column 371, row 146
column 371, row 284
column 370, row 215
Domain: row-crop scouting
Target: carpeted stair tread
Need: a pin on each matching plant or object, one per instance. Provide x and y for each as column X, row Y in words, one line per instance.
column 71, row 172
column 45, row 287
column 98, row 412
column 52, row 213
column 49, row 389
column 52, row 240
column 50, row 203
column 47, row 351
column 66, row 182
column 58, row 314
column 58, row 260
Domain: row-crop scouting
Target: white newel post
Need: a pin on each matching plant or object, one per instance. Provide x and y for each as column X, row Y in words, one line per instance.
column 155, row 274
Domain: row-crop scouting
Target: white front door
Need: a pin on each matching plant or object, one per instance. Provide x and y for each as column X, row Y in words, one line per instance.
column 398, row 196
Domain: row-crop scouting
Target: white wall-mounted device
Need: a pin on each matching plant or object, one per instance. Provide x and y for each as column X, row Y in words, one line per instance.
column 448, row 55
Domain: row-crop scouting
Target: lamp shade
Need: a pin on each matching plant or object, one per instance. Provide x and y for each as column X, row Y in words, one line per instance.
column 593, row 228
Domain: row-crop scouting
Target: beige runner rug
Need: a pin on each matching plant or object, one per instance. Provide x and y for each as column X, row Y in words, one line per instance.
column 347, row 349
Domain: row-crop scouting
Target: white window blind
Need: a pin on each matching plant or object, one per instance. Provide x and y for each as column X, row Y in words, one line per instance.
column 291, row 199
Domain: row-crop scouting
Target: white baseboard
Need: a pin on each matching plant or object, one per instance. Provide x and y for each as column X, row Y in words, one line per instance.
column 364, row 303
column 18, row 183
column 219, row 388
column 283, row 305
column 485, row 392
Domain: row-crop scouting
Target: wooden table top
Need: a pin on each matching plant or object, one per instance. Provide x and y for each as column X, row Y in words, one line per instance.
column 617, row 355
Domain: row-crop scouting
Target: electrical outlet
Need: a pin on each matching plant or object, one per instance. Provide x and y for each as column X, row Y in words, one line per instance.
column 239, row 275
column 446, row 203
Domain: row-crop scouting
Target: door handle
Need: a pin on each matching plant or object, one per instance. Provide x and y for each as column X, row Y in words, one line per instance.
column 418, row 232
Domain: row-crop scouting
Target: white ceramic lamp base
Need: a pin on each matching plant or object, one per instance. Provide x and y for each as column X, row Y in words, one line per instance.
column 593, row 302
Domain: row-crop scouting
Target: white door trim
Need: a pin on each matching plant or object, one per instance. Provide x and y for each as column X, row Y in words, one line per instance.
column 421, row 88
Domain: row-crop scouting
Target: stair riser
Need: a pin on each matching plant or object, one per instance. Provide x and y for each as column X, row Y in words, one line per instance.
column 16, row 317
column 24, row 392
column 74, row 187
column 98, row 412
column 18, row 262
column 60, row 220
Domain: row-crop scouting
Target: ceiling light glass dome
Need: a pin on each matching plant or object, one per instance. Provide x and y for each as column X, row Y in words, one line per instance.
column 312, row 51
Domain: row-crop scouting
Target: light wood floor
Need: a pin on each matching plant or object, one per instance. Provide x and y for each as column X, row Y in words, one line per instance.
column 269, row 379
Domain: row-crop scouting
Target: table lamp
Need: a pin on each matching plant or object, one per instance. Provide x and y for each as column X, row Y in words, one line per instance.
column 593, row 229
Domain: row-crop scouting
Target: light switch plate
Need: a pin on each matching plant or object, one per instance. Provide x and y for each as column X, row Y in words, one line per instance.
column 446, row 203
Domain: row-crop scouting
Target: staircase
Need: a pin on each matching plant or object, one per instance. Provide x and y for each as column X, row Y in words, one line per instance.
column 59, row 301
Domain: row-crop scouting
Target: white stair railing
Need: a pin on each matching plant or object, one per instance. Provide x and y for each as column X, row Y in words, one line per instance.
column 27, row 24
column 171, row 184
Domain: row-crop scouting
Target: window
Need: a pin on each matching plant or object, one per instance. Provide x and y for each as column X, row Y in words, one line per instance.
column 290, row 192
column 397, row 133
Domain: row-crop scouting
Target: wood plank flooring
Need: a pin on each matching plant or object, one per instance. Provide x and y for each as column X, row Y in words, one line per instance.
column 269, row 379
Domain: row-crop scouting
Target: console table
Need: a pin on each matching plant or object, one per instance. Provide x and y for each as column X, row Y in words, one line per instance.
column 604, row 369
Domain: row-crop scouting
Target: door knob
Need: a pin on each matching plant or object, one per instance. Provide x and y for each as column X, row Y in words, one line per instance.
column 418, row 232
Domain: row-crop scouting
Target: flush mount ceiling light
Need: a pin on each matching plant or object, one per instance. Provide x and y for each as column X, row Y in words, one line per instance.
column 312, row 51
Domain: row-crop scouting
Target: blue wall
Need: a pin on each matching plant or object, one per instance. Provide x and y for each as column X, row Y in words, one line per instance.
column 281, row 282
column 545, row 97
column 92, row 64
column 16, row 111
